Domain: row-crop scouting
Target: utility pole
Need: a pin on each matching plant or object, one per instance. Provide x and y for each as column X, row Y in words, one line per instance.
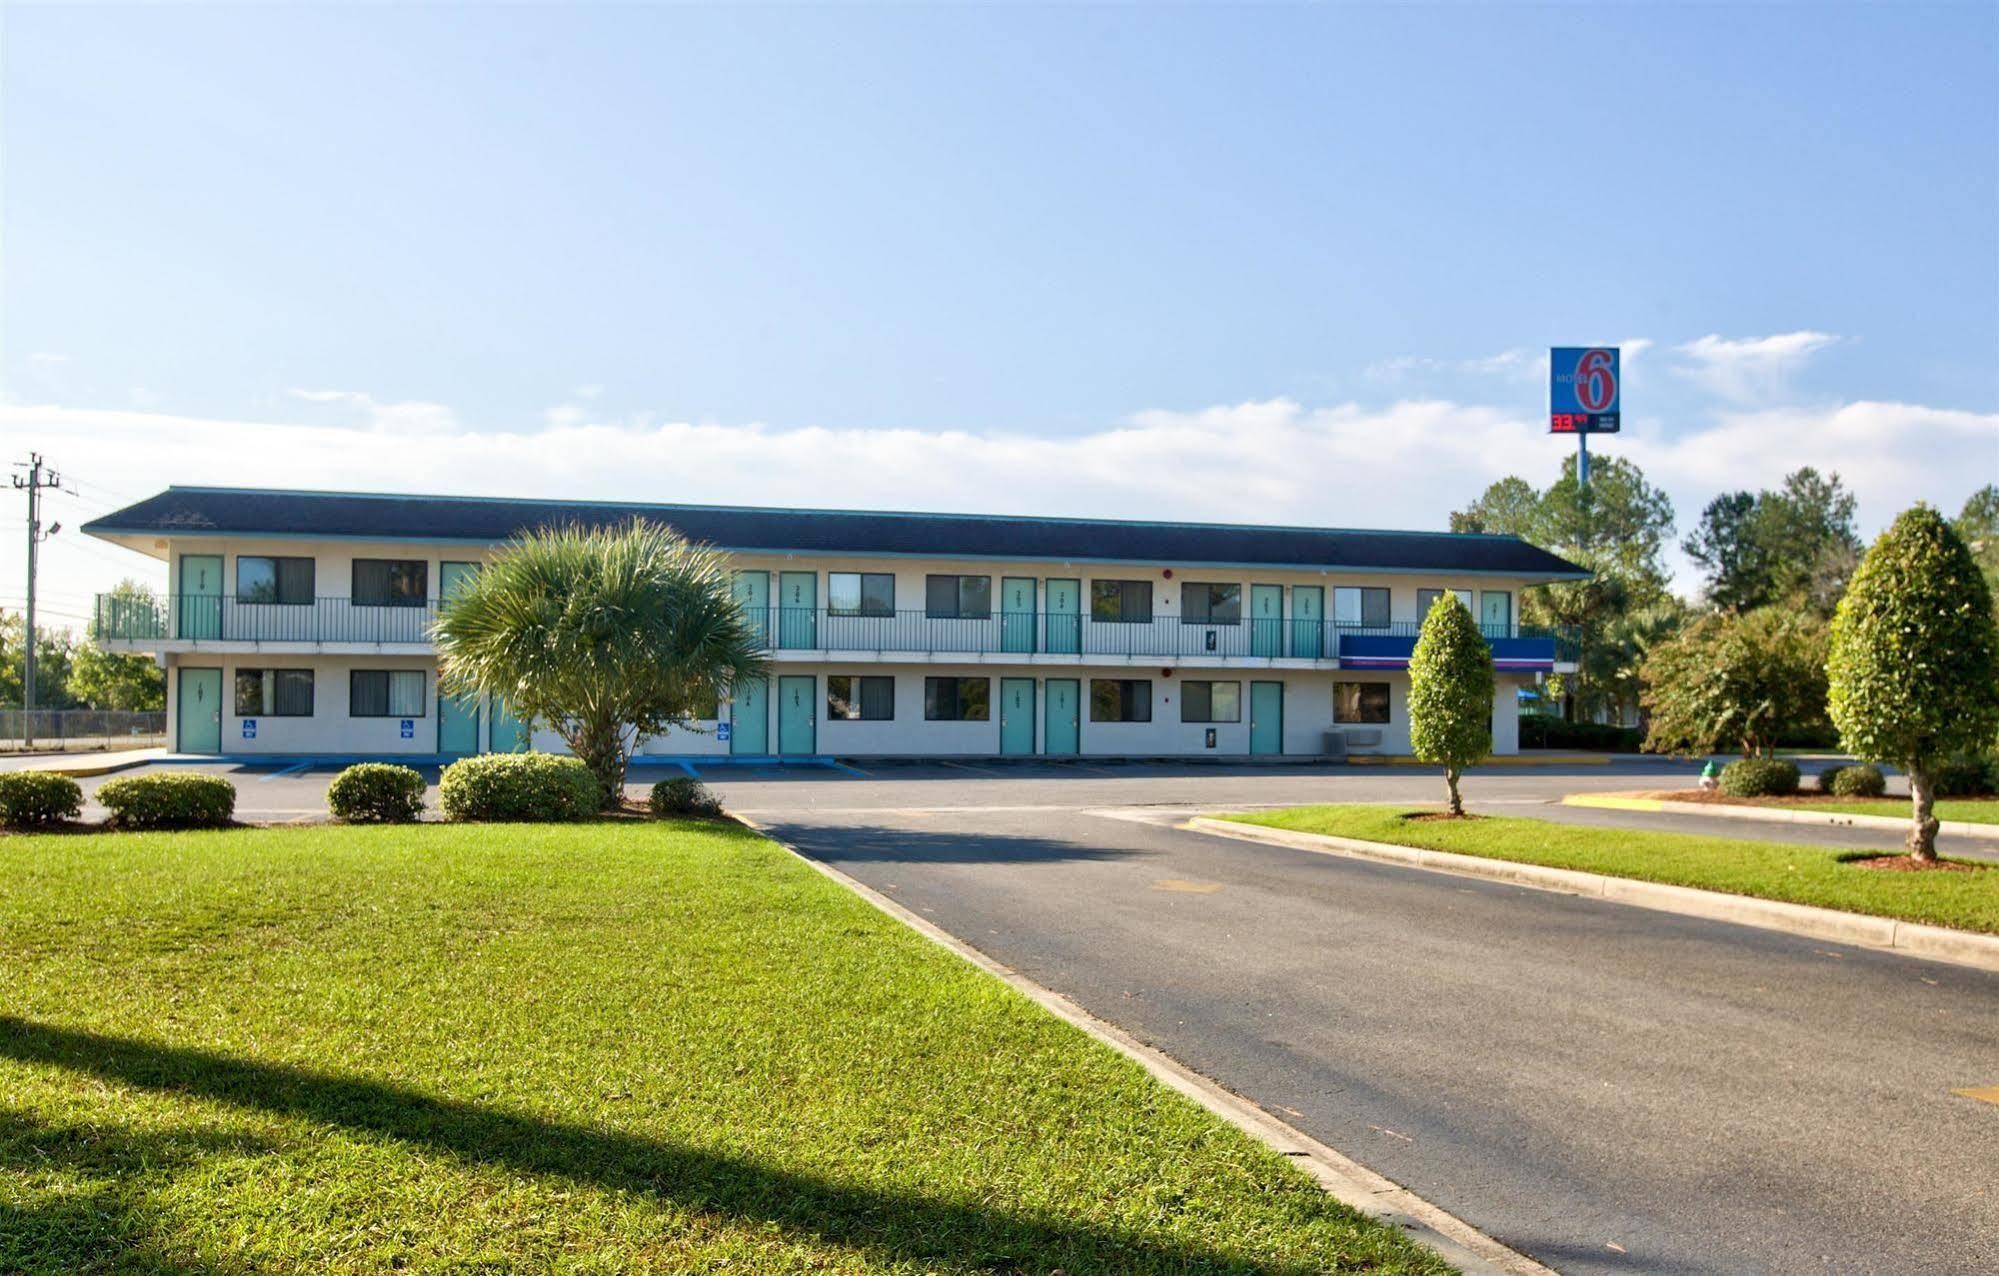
column 36, row 478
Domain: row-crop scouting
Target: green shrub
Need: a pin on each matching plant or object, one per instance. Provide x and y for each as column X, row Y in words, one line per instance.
column 1968, row 776
column 169, row 800
column 519, row 786
column 376, row 793
column 683, row 795
column 30, row 799
column 1759, row 777
column 1864, row 780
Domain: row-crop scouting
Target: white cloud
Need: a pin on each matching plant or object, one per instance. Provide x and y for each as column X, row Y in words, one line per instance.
column 1750, row 369
column 411, row 416
column 1403, row 465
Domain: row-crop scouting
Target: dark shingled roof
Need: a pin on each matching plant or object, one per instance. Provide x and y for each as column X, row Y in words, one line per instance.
column 199, row 511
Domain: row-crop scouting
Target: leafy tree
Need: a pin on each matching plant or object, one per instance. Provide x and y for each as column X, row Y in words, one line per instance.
column 1450, row 692
column 54, row 649
column 1736, row 680
column 1978, row 526
column 1618, row 530
column 607, row 635
column 101, row 679
column 1794, row 544
column 1914, row 665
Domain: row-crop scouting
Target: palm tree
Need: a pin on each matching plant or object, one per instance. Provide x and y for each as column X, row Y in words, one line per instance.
column 608, row 635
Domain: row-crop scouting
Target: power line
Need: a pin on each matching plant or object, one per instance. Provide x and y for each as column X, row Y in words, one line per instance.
column 38, row 479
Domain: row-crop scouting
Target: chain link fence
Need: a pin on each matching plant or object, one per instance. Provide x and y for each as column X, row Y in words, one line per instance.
column 59, row 729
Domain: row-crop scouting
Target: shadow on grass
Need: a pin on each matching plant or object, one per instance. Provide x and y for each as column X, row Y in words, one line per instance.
column 891, row 1226
column 860, row 844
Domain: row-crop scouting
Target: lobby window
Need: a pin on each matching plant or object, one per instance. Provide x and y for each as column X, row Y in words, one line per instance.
column 385, row 693
column 860, row 594
column 1360, row 702
column 274, row 693
column 1359, row 607
column 1120, row 700
column 1121, row 602
column 391, row 582
column 1427, row 598
column 859, row 699
column 1211, row 702
column 1211, row 604
column 263, row 580
column 957, row 699
column 958, row 597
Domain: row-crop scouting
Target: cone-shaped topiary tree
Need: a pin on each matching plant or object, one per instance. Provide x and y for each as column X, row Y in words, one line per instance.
column 606, row 635
column 1913, row 672
column 1450, row 692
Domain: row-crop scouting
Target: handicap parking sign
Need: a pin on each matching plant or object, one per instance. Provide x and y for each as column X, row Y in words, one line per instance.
column 409, row 729
column 249, row 728
column 722, row 732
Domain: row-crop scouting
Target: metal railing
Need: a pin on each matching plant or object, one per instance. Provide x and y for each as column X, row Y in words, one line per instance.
column 83, row 728
column 197, row 619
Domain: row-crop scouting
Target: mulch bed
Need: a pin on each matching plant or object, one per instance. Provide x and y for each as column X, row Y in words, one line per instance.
column 1426, row 817
column 1909, row 864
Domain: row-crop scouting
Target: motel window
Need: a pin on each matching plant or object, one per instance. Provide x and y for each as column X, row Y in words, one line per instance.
column 263, row 580
column 1211, row 604
column 859, row 699
column 385, row 693
column 1121, row 602
column 1120, row 700
column 707, row 706
column 274, row 693
column 1427, row 598
column 957, row 699
column 1211, row 702
column 860, row 594
column 391, row 582
column 958, row 597
column 1361, row 607
column 1360, row 702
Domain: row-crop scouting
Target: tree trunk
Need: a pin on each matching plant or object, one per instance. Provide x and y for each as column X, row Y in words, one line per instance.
column 1923, row 833
column 1457, row 803
column 601, row 747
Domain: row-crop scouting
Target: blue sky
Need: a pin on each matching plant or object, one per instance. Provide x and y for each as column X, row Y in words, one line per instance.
column 1286, row 263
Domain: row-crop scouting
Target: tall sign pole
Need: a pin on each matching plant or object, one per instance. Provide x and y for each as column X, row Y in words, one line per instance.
column 36, row 478
column 1584, row 387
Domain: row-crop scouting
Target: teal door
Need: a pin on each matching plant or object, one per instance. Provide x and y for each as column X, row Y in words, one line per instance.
column 1308, row 629
column 452, row 576
column 510, row 734
column 752, row 590
column 458, row 725
column 1016, row 716
column 1065, row 615
column 1017, row 614
column 1266, row 717
column 199, row 713
column 798, row 609
column 1062, row 720
column 749, row 719
column 1266, row 620
column 797, row 716
column 200, row 598
column 1496, row 613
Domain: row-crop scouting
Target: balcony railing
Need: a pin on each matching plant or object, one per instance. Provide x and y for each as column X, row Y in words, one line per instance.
column 201, row 618
column 206, row 618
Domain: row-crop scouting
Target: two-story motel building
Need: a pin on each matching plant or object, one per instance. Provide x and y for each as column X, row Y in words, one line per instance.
column 298, row 624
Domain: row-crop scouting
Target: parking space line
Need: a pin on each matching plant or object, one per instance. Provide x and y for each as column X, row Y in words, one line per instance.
column 293, row 769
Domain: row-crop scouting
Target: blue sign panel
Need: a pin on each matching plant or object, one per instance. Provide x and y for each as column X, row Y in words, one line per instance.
column 409, row 729
column 722, row 732
column 249, row 728
column 1584, row 384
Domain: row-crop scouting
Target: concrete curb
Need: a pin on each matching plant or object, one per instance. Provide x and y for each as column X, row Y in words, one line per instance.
column 1911, row 939
column 1346, row 1180
column 105, row 765
column 1496, row 760
column 1770, row 814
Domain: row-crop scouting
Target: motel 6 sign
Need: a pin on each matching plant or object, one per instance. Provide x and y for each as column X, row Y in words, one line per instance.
column 1583, row 386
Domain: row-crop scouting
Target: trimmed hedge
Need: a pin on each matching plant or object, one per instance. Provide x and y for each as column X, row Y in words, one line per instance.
column 169, row 800
column 1759, row 777
column 1966, row 777
column 683, row 795
column 519, row 786
column 376, row 793
column 36, row 799
column 1863, row 780
column 1540, row 732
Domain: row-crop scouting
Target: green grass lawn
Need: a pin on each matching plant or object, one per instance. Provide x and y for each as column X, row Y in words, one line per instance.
column 1968, row 810
column 1771, row 870
column 601, row 1048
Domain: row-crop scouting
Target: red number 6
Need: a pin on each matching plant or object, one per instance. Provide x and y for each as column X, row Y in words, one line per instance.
column 1596, row 384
